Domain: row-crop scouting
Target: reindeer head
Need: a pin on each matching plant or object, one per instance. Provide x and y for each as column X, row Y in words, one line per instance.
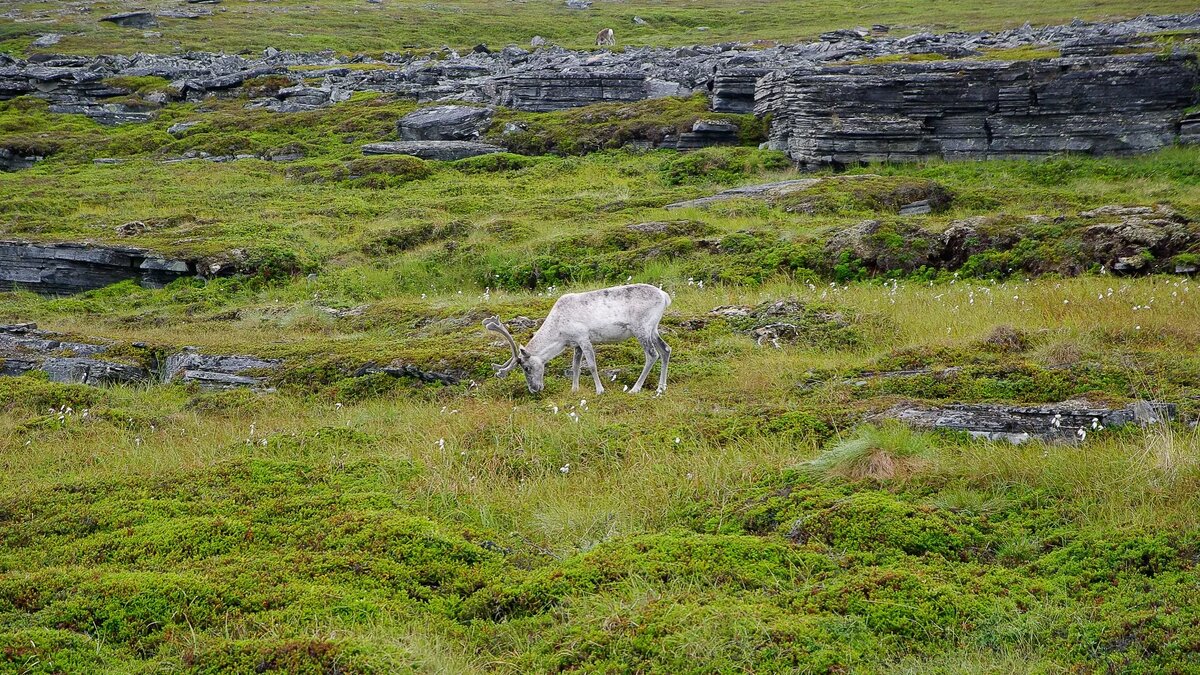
column 533, row 367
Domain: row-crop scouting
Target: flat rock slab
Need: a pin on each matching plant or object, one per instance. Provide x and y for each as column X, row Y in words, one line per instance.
column 446, row 151
column 131, row 19
column 762, row 191
column 445, row 123
column 1067, row 421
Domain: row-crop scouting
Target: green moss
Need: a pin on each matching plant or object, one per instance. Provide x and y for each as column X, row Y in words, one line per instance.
column 602, row 126
column 141, row 85
column 721, row 166
column 865, row 194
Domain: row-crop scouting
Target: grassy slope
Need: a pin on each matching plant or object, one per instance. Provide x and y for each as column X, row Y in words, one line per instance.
column 396, row 25
column 377, row 525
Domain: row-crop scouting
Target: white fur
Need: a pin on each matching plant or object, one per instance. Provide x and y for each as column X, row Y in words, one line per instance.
column 582, row 320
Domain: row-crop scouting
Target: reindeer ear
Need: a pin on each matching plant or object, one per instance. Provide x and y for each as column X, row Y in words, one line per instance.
column 524, row 353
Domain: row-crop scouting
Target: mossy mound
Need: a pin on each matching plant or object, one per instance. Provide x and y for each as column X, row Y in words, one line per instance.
column 605, row 126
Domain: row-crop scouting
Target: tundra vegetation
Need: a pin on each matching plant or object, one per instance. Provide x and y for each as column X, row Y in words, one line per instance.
column 754, row 518
column 347, row 26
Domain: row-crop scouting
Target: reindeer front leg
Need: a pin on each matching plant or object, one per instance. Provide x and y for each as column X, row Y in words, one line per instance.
column 576, row 362
column 589, row 353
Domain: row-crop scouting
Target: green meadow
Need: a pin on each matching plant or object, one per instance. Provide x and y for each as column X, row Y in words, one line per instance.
column 759, row 516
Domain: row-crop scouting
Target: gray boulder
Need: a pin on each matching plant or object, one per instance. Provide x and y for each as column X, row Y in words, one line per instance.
column 47, row 40
column 445, row 123
column 179, row 128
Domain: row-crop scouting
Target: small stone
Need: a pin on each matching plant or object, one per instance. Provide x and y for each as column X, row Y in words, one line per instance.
column 920, row 207
column 47, row 40
column 180, row 128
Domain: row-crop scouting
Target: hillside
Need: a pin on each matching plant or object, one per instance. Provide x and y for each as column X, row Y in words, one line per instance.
column 349, row 26
column 922, row 417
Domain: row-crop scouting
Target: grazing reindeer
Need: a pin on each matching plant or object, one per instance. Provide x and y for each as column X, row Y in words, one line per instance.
column 606, row 37
column 581, row 320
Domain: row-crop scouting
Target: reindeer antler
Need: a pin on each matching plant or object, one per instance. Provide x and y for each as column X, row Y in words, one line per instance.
column 493, row 323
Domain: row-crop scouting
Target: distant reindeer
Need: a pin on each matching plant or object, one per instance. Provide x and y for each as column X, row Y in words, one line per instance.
column 606, row 37
column 581, row 320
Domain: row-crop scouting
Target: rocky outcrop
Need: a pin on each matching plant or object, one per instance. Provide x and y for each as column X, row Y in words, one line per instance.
column 54, row 268
column 546, row 90
column 13, row 160
column 1110, row 105
column 445, row 123
column 441, row 150
column 548, row 78
column 1121, row 239
column 707, row 133
column 24, row 348
column 1067, row 421
column 217, row 372
column 407, row 370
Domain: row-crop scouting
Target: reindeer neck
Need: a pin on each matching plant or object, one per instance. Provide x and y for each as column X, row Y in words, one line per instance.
column 544, row 345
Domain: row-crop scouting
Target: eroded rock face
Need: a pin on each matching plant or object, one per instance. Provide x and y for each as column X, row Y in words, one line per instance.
column 24, row 348
column 1110, row 105
column 74, row 267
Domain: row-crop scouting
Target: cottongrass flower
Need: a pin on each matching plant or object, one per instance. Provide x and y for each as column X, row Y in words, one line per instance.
column 565, row 469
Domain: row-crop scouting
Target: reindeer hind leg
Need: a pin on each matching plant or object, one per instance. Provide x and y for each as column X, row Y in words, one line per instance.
column 664, row 353
column 648, row 346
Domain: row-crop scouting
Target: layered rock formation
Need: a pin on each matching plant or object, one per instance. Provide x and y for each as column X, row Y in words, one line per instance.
column 547, row 78
column 73, row 267
column 1108, row 105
